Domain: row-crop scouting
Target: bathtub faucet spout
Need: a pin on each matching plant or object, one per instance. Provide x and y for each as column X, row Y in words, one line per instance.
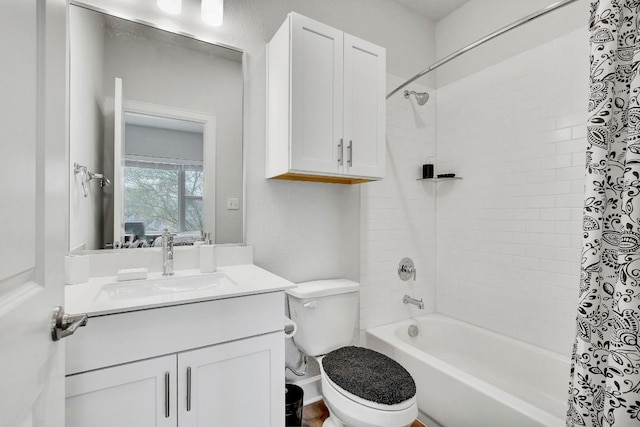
column 417, row 302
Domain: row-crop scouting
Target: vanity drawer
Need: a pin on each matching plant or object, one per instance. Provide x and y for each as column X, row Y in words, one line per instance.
column 125, row 337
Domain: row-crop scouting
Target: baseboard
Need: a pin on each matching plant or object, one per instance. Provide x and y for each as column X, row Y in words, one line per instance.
column 312, row 388
column 427, row 420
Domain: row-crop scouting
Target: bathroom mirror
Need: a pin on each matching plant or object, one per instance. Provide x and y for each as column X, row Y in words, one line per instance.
column 155, row 135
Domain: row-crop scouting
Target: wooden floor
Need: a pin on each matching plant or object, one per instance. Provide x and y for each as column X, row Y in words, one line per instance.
column 315, row 413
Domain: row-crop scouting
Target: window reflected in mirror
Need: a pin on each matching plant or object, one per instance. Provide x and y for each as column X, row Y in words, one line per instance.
column 163, row 178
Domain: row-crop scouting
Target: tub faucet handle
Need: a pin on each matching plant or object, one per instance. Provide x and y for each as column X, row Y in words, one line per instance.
column 407, row 269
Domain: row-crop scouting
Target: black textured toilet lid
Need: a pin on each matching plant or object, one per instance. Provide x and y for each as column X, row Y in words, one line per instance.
column 369, row 375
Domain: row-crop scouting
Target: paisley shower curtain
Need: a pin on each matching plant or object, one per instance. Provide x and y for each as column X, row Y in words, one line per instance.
column 605, row 373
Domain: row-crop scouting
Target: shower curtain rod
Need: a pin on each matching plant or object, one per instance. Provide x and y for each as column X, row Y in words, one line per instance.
column 483, row 40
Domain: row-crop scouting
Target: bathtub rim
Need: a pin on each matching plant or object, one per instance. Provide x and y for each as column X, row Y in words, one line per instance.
column 386, row 333
column 439, row 316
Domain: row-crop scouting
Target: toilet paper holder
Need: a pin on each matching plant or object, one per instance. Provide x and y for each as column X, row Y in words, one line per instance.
column 290, row 327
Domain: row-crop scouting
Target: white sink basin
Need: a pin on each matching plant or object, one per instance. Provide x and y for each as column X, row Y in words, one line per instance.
column 167, row 285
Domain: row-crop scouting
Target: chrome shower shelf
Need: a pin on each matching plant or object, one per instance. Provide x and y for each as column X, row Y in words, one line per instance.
column 438, row 179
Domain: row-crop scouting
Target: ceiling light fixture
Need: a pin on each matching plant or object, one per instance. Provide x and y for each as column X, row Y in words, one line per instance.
column 212, row 11
column 173, row 7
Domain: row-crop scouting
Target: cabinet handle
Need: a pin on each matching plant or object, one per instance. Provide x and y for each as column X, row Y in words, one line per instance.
column 167, row 404
column 350, row 154
column 188, row 389
column 340, row 153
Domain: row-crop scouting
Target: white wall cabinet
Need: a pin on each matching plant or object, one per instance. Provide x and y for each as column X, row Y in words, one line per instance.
column 215, row 363
column 326, row 104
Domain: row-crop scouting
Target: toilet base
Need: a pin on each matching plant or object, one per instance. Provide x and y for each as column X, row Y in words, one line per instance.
column 344, row 412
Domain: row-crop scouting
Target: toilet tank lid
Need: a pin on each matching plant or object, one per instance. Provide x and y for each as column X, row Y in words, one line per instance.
column 323, row 288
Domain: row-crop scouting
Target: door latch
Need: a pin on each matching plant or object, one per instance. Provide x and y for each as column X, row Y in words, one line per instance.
column 66, row 324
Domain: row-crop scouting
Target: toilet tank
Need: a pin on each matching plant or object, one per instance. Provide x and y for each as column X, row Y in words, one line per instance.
column 326, row 312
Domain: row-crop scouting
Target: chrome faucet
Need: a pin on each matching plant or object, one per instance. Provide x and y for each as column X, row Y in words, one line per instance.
column 167, row 253
column 417, row 302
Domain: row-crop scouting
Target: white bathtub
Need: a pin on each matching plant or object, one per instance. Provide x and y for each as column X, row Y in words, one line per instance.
column 467, row 376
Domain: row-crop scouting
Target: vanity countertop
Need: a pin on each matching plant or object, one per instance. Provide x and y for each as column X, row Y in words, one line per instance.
column 105, row 295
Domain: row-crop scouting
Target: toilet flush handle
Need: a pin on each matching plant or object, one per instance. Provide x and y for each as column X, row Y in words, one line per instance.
column 310, row 304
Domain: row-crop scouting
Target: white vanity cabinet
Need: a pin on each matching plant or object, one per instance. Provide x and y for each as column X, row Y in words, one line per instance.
column 210, row 363
column 326, row 104
column 140, row 394
column 231, row 384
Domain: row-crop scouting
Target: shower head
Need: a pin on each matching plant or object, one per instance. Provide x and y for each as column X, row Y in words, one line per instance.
column 421, row 97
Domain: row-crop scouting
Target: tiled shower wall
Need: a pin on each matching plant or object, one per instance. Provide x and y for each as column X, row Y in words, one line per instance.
column 397, row 216
column 508, row 234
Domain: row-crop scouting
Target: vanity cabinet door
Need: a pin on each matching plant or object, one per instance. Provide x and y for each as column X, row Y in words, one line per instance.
column 240, row 383
column 140, row 394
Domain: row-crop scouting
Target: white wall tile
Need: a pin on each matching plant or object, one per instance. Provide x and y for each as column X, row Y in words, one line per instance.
column 508, row 234
column 397, row 216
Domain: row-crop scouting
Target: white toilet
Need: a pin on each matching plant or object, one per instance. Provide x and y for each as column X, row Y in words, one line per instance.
column 361, row 388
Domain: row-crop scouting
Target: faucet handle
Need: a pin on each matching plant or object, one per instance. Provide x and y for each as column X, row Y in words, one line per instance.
column 167, row 236
column 167, row 253
column 407, row 269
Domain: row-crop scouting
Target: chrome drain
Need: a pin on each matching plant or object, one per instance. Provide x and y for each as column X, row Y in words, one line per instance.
column 413, row 331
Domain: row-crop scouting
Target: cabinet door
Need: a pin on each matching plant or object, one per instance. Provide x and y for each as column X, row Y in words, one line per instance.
column 240, row 383
column 316, row 96
column 364, row 105
column 140, row 394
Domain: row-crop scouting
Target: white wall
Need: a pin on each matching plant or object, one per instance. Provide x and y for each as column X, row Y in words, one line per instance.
column 397, row 217
column 478, row 18
column 503, row 244
column 86, row 127
column 508, row 240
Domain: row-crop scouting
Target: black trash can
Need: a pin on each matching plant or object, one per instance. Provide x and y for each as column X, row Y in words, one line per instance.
column 293, row 405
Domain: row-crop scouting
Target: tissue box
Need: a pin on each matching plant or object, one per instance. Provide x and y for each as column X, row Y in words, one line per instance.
column 207, row 259
column 76, row 269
